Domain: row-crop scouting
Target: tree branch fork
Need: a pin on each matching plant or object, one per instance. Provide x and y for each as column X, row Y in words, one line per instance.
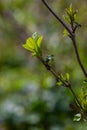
column 71, row 32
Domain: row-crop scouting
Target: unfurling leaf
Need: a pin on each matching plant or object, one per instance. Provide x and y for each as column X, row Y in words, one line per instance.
column 71, row 14
column 65, row 33
column 33, row 44
column 77, row 117
column 67, row 76
column 59, row 83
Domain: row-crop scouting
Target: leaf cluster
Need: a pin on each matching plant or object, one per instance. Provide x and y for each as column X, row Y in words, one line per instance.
column 33, row 44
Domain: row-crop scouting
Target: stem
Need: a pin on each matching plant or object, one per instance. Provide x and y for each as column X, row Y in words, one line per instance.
column 66, row 84
column 78, row 57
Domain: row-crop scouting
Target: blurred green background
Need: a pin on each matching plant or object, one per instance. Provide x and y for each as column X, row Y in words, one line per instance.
column 29, row 97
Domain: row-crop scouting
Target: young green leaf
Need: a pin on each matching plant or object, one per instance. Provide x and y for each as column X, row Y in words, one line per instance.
column 59, row 83
column 29, row 44
column 39, row 41
column 65, row 33
column 71, row 15
column 33, row 44
column 67, row 76
column 77, row 117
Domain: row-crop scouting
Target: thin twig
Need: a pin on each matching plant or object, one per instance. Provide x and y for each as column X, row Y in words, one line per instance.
column 58, row 78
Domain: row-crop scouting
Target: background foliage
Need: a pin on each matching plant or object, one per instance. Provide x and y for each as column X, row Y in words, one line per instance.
column 29, row 98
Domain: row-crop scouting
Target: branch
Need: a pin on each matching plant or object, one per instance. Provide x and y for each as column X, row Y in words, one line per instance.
column 72, row 36
column 58, row 78
column 65, row 83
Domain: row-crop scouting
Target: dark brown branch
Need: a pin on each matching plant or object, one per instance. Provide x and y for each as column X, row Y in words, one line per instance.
column 72, row 36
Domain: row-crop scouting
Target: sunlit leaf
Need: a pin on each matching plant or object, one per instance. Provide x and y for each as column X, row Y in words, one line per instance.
column 59, row 83
column 65, row 33
column 69, row 10
column 33, row 44
column 67, row 76
column 71, row 15
column 39, row 41
column 67, row 18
